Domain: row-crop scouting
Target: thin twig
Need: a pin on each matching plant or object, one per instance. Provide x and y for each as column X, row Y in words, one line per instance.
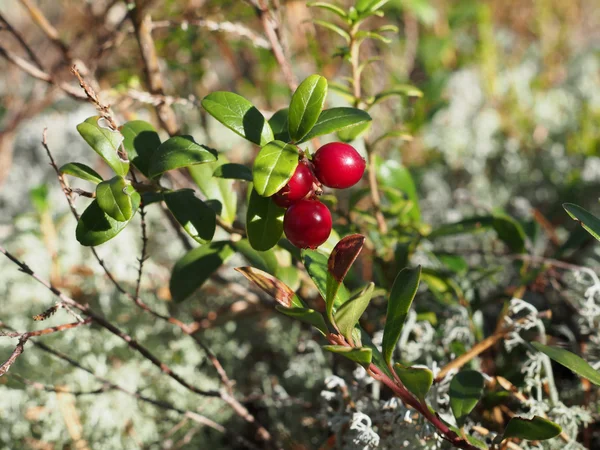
column 22, row 42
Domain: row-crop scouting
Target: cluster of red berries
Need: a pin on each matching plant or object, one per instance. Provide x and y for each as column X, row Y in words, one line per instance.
column 307, row 222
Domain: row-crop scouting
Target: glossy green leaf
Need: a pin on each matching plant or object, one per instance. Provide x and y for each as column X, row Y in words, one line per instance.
column 466, row 388
column 140, row 141
column 95, row 227
column 196, row 266
column 239, row 115
column 195, row 216
column 586, row 219
column 417, row 380
column 117, row 198
column 535, row 429
column 274, row 166
column 178, row 152
column 361, row 356
column 105, row 142
column 392, row 174
column 571, row 361
column 470, row 439
column 218, row 191
column 347, row 316
column 264, row 222
column 329, row 7
column 351, row 133
column 233, row 172
column 306, row 105
column 279, row 125
column 315, row 263
column 274, row 287
column 82, row 171
column 265, row 261
column 340, row 260
column 333, row 27
column 306, row 315
column 402, row 294
column 336, row 119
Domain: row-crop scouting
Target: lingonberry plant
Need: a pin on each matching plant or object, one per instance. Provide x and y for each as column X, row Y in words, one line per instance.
column 299, row 223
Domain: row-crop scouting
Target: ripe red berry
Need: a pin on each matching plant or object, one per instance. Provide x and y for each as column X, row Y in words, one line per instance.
column 307, row 223
column 338, row 165
column 297, row 188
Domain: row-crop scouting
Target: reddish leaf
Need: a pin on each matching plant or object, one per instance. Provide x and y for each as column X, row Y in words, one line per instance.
column 272, row 286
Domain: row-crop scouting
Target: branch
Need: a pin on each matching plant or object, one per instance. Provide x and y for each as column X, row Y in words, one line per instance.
column 24, row 337
column 142, row 24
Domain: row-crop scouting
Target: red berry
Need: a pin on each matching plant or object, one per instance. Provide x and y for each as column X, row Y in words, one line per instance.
column 307, row 223
column 338, row 165
column 297, row 188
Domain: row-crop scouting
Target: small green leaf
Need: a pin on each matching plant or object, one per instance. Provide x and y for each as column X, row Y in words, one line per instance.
column 402, row 90
column 586, row 219
column 195, row 216
column 196, row 266
column 570, row 361
column 279, row 125
column 178, row 152
column 95, row 227
column 402, row 294
column 336, row 119
column 351, row 133
column 82, row 171
column 391, row 173
column 233, row 171
column 306, row 315
column 361, row 356
column 340, row 260
column 466, row 388
column 274, row 166
column 534, row 429
column 329, row 7
column 264, row 222
column 140, row 141
column 239, row 115
column 362, row 35
column 105, row 142
column 306, row 105
column 333, row 27
column 265, row 261
column 347, row 316
column 218, row 191
column 277, row 289
column 117, row 198
column 316, row 266
column 369, row 6
column 417, row 380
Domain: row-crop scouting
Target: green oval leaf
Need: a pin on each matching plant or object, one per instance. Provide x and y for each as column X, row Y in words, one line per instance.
column 586, row 219
column 239, row 115
column 351, row 133
column 306, row 315
column 196, row 266
column 221, row 195
column 347, row 316
column 340, row 260
column 466, row 388
column 402, row 294
column 391, row 173
column 95, row 227
column 264, row 222
column 274, row 166
column 105, row 142
column 140, row 141
column 82, row 171
column 570, row 361
column 361, row 356
column 233, row 171
column 178, row 152
column 306, row 105
column 534, row 429
column 117, row 198
column 195, row 216
column 279, row 125
column 417, row 380
column 315, row 263
column 337, row 119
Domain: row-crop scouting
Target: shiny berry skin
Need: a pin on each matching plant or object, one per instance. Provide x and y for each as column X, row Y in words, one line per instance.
column 307, row 223
column 338, row 165
column 297, row 188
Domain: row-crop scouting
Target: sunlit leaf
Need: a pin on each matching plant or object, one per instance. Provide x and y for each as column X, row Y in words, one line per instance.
column 571, row 361
column 274, row 166
column 95, row 227
column 178, row 152
column 105, row 142
column 347, row 316
column 140, row 141
column 264, row 222
column 82, row 171
column 587, row 220
column 466, row 388
column 336, row 119
column 306, row 106
column 361, row 356
column 195, row 216
column 117, row 198
column 417, row 380
column 534, row 429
